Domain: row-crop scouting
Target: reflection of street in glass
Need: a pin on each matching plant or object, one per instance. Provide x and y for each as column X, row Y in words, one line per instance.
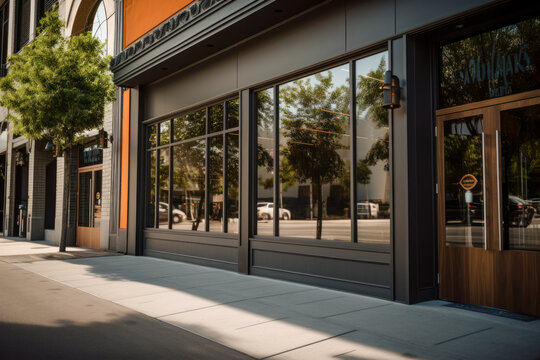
column 526, row 238
column 458, row 233
column 520, row 237
column 369, row 231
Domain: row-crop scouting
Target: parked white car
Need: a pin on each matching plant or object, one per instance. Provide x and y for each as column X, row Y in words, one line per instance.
column 177, row 214
column 265, row 211
column 367, row 210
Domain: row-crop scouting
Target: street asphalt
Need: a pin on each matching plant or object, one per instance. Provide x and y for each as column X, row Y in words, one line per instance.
column 43, row 319
column 88, row 304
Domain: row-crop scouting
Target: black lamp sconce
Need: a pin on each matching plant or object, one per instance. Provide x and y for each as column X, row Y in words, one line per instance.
column 391, row 91
column 52, row 148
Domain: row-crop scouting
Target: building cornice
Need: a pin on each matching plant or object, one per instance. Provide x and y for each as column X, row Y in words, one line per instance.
column 167, row 29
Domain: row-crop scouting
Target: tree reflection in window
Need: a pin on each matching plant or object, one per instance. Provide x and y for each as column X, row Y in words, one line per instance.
column 314, row 139
column 197, row 198
column 373, row 183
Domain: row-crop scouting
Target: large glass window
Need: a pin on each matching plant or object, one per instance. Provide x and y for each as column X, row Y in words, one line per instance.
column 99, row 23
column 22, row 23
column 373, row 183
column 4, row 29
column 198, row 170
column 265, row 162
column 305, row 184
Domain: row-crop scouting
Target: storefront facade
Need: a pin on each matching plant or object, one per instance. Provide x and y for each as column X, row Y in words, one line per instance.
column 254, row 139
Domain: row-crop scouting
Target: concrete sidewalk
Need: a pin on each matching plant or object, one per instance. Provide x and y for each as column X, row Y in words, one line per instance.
column 271, row 319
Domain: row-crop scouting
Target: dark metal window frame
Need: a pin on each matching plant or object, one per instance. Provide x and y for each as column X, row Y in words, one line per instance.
column 253, row 165
column 223, row 133
column 4, row 31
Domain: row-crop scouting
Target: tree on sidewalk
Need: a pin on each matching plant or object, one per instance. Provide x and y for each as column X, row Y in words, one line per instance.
column 56, row 89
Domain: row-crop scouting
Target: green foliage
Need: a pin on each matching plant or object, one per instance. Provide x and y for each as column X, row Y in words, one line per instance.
column 370, row 99
column 313, row 127
column 57, row 87
column 314, row 123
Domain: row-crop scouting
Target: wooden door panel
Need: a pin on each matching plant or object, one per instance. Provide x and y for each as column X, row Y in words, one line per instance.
column 517, row 281
column 88, row 237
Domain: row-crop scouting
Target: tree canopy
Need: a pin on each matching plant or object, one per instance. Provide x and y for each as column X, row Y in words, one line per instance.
column 57, row 87
column 314, row 120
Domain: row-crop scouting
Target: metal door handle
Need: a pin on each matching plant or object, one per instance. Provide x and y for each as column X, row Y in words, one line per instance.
column 484, row 188
column 499, row 223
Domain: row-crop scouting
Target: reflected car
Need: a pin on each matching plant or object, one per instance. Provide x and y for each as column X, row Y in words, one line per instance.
column 520, row 212
column 535, row 203
column 367, row 210
column 265, row 211
column 177, row 214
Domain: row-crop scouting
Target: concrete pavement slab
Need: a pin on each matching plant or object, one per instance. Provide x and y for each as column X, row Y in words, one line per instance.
column 409, row 323
column 494, row 343
column 359, row 346
column 167, row 303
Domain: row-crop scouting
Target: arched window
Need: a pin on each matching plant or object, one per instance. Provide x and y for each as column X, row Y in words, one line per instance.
column 99, row 23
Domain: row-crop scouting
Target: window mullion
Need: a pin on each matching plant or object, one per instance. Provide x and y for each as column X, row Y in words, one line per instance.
column 277, row 205
column 156, row 189
column 225, row 191
column 207, row 174
column 352, row 203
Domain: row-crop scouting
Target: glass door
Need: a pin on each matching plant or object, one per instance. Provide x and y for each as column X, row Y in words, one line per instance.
column 489, row 203
column 519, row 164
column 464, row 146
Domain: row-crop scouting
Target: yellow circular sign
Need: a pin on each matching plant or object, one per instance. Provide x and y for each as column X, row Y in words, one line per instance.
column 468, row 182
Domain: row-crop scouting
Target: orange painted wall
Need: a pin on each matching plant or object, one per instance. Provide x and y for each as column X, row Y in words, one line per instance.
column 124, row 170
column 141, row 16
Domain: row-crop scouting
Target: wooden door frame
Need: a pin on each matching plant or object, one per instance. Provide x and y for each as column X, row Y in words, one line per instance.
column 85, row 232
column 494, row 290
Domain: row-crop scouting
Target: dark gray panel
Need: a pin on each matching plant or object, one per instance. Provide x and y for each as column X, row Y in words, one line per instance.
column 381, row 292
column 412, row 14
column 422, row 204
column 247, row 131
column 356, row 273
column 400, row 172
column 205, row 251
column 191, row 259
column 369, row 22
column 317, row 36
column 196, row 237
column 216, row 77
column 133, row 230
column 341, row 250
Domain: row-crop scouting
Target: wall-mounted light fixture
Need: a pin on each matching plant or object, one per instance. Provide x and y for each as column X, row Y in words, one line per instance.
column 49, row 146
column 391, row 91
column 52, row 148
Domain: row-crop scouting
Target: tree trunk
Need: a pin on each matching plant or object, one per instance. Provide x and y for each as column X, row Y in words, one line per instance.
column 195, row 225
column 65, row 202
column 319, row 211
